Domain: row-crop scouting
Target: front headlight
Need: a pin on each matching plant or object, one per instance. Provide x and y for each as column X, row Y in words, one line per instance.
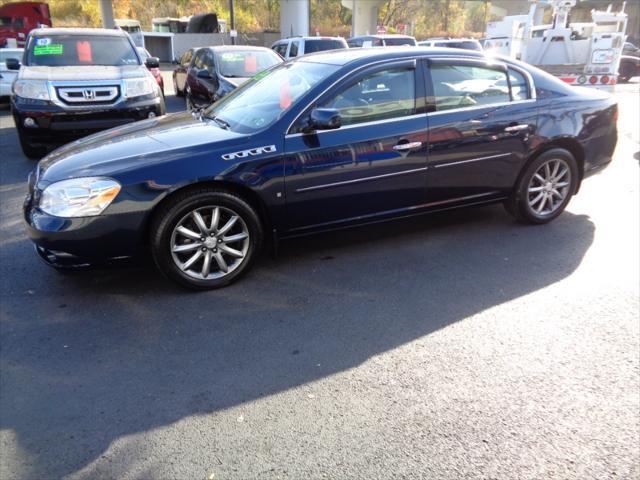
column 33, row 89
column 79, row 197
column 136, row 87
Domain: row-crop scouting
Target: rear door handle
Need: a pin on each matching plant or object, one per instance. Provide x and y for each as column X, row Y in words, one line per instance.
column 401, row 147
column 516, row 128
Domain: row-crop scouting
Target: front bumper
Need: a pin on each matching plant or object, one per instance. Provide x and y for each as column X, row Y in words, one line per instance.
column 56, row 125
column 78, row 242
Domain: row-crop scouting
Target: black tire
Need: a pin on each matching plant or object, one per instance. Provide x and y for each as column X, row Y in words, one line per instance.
column 178, row 210
column 625, row 73
column 179, row 93
column 30, row 150
column 518, row 203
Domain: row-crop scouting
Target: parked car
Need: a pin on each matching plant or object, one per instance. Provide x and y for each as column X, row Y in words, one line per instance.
column 464, row 43
column 180, row 72
column 216, row 71
column 8, row 76
column 630, row 49
column 297, row 46
column 155, row 71
column 77, row 81
column 320, row 142
column 388, row 40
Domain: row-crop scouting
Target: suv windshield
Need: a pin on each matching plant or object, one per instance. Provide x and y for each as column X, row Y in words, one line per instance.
column 311, row 46
column 245, row 63
column 265, row 98
column 76, row 50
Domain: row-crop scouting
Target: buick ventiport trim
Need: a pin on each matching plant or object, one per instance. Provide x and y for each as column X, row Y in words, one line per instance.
column 325, row 141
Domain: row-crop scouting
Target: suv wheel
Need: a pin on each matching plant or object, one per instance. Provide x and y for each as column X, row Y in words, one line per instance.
column 29, row 149
column 205, row 239
column 544, row 190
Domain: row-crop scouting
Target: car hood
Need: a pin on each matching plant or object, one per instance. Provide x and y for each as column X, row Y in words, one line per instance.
column 131, row 146
column 90, row 72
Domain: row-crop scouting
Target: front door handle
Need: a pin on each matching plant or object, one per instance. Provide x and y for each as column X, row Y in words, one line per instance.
column 402, row 147
column 516, row 128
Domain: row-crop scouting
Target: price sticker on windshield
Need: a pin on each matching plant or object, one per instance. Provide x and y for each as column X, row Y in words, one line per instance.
column 51, row 49
column 233, row 57
column 43, row 41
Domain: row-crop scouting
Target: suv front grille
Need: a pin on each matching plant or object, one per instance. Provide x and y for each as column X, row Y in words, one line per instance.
column 88, row 95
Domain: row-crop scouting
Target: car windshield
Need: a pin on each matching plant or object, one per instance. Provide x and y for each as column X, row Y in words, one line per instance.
column 320, row 45
column 245, row 63
column 267, row 96
column 77, row 50
column 466, row 45
column 399, row 41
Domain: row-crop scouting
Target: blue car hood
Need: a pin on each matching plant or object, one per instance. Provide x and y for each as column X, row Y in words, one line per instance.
column 134, row 145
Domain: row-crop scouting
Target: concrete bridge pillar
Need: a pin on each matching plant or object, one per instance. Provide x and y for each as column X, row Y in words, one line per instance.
column 294, row 18
column 364, row 15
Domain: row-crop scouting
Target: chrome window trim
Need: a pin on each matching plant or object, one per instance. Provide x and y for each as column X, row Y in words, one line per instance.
column 363, row 124
column 360, row 180
column 479, row 107
column 527, row 75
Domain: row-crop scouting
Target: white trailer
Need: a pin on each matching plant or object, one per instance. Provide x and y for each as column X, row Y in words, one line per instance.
column 578, row 53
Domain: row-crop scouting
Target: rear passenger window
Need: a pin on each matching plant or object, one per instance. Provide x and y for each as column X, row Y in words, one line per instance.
column 519, row 87
column 381, row 95
column 458, row 86
column 293, row 51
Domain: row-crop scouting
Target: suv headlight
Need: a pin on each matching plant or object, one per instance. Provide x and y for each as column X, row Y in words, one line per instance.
column 79, row 197
column 136, row 87
column 33, row 89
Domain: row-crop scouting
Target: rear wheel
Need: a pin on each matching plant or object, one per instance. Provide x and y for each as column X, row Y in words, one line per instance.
column 545, row 188
column 179, row 93
column 205, row 239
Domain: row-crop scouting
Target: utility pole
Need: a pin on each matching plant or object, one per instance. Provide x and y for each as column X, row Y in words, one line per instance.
column 232, row 21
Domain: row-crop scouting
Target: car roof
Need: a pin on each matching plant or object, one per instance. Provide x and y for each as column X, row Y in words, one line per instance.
column 231, row 48
column 348, row 55
column 79, row 31
column 323, row 37
column 383, row 35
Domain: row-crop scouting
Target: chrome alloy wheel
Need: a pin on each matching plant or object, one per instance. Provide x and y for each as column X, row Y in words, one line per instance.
column 549, row 187
column 209, row 242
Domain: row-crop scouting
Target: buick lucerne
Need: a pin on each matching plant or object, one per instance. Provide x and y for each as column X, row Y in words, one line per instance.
column 321, row 142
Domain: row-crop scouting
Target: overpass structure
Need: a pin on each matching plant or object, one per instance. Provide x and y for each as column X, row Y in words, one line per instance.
column 295, row 16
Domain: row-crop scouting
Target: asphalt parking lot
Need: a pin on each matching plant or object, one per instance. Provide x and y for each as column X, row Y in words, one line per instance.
column 459, row 345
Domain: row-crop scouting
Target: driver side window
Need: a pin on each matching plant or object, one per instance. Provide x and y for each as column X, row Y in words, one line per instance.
column 459, row 86
column 381, row 95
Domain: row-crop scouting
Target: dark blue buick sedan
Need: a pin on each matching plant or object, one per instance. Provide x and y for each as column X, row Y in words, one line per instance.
column 326, row 141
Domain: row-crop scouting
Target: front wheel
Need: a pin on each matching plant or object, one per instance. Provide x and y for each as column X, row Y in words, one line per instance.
column 205, row 239
column 30, row 150
column 545, row 188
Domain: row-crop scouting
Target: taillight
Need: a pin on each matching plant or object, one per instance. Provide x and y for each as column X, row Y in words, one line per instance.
column 604, row 79
column 593, row 79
